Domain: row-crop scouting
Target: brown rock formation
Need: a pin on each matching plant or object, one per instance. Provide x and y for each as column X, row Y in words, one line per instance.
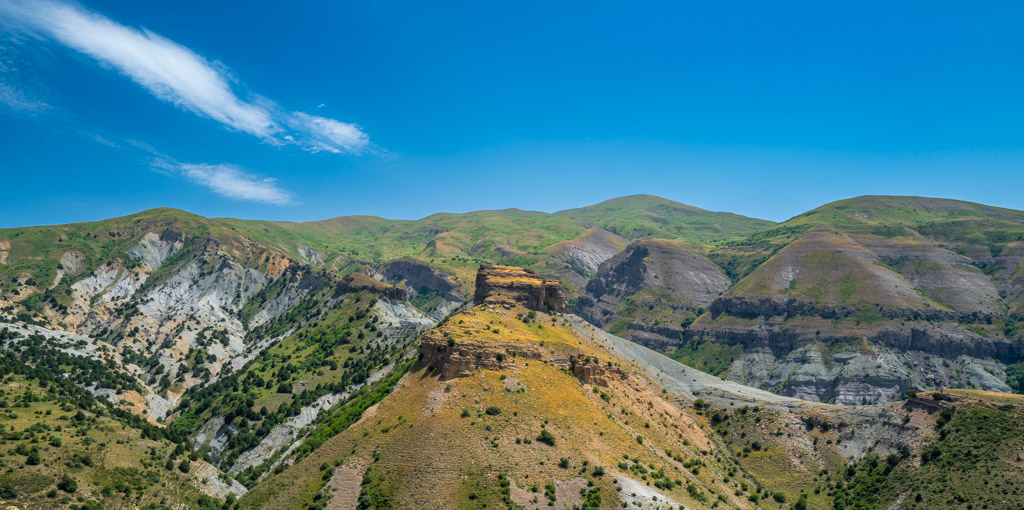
column 514, row 285
column 462, row 359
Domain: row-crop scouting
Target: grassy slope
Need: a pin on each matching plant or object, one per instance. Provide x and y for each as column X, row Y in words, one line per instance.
column 893, row 210
column 750, row 456
column 61, row 444
column 639, row 216
column 407, row 443
column 35, row 251
column 974, row 462
column 458, row 243
column 34, row 254
column 908, row 225
column 455, row 243
column 977, row 437
column 328, row 351
column 108, row 462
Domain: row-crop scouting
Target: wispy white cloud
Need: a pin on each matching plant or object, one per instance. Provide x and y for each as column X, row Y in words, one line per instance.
column 231, row 181
column 325, row 134
column 15, row 91
column 175, row 73
column 17, row 100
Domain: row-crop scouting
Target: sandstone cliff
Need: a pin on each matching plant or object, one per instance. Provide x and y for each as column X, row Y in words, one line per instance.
column 509, row 285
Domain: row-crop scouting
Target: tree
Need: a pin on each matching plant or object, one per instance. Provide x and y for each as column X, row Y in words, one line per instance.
column 67, row 484
column 546, row 437
column 185, row 466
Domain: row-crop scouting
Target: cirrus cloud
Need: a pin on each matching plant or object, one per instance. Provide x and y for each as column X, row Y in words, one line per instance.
column 174, row 73
column 233, row 182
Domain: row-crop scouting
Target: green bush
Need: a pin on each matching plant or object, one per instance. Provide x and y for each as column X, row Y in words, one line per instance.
column 67, row 484
column 546, row 437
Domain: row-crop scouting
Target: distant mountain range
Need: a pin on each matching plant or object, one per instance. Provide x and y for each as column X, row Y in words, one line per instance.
column 253, row 343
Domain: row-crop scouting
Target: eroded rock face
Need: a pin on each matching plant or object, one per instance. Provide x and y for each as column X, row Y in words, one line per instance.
column 507, row 284
column 312, row 256
column 651, row 275
column 72, row 262
column 462, row 359
column 585, row 254
column 420, row 277
column 799, row 349
column 154, row 249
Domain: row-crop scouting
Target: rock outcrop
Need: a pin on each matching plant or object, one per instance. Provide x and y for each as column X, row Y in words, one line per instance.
column 515, row 285
column 577, row 260
column 462, row 358
column 654, row 285
column 420, row 278
column 154, row 249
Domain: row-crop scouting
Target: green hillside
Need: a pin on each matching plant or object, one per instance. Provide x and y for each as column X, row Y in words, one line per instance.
column 63, row 446
column 640, row 216
column 847, row 245
column 901, row 210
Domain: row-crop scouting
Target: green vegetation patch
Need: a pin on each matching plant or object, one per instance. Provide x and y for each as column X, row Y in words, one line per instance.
column 711, row 357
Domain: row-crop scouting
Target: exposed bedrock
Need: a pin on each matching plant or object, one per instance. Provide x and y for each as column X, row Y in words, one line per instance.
column 652, row 285
column 515, row 285
column 420, row 277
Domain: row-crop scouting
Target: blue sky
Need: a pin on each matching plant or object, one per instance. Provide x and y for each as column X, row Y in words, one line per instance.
column 309, row 110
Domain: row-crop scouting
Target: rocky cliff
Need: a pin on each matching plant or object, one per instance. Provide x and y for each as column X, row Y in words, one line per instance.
column 421, row 278
column 647, row 291
column 507, row 284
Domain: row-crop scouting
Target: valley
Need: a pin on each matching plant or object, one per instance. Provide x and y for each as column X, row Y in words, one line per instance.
column 637, row 352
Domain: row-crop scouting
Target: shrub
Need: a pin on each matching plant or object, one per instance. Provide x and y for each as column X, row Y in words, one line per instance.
column 546, row 437
column 563, row 463
column 493, row 410
column 801, row 503
column 67, row 484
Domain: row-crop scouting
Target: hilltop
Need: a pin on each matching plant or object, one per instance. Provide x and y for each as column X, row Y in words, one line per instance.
column 932, row 286
column 894, row 292
column 263, row 351
column 510, row 407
